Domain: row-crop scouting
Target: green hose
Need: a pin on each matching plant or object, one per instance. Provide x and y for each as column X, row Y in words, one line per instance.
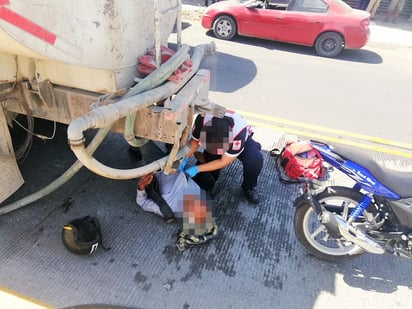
column 68, row 174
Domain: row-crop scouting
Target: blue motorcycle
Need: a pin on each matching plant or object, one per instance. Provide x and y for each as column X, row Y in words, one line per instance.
column 336, row 223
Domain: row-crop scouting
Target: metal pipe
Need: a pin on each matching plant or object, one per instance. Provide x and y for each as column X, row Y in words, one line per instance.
column 105, row 115
column 161, row 74
column 158, row 77
column 179, row 24
column 157, row 31
column 151, row 81
column 358, row 237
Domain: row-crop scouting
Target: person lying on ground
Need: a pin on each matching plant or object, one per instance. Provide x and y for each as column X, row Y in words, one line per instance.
column 176, row 196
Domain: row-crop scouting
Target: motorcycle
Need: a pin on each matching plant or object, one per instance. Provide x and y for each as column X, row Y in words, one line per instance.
column 337, row 223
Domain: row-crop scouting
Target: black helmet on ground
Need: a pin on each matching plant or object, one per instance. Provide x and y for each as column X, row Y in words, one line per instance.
column 82, row 235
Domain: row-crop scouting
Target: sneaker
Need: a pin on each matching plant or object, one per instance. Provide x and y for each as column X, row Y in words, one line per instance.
column 386, row 19
column 252, row 196
column 394, row 21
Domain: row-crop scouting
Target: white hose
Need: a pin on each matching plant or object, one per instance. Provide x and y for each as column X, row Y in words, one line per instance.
column 108, row 114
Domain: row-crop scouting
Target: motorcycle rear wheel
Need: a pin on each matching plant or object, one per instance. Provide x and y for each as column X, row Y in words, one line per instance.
column 314, row 236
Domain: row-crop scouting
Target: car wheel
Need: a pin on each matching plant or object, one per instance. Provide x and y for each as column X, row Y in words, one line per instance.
column 224, row 27
column 329, row 44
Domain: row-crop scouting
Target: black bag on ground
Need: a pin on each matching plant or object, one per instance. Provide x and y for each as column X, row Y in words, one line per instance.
column 82, row 235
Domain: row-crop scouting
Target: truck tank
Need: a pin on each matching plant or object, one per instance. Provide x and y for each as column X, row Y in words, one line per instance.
column 91, row 45
column 74, row 62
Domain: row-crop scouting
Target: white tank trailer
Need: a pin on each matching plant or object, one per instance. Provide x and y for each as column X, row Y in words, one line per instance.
column 74, row 62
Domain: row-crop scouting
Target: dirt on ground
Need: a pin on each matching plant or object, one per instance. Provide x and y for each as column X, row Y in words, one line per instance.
column 192, row 12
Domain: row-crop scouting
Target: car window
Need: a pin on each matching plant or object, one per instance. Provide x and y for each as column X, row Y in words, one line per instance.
column 253, row 4
column 312, row 6
column 343, row 5
column 277, row 4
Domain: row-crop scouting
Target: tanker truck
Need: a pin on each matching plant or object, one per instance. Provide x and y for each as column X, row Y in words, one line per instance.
column 74, row 63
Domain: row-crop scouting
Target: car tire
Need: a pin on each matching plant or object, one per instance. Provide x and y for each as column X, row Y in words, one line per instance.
column 329, row 44
column 224, row 27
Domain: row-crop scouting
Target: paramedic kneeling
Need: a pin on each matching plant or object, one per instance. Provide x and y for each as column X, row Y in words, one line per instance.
column 224, row 140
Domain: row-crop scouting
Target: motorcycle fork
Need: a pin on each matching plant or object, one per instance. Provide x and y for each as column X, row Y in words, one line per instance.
column 307, row 193
column 325, row 217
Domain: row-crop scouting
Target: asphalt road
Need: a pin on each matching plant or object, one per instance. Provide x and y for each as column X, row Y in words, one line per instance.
column 362, row 91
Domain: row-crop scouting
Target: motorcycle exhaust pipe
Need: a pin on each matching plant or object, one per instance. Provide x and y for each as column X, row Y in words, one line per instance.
column 337, row 226
column 328, row 219
column 358, row 237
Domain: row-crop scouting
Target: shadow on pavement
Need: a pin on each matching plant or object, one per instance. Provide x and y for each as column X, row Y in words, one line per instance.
column 362, row 273
column 230, row 73
column 185, row 25
column 351, row 55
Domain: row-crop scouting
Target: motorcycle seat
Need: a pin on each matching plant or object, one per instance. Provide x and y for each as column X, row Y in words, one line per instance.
column 397, row 181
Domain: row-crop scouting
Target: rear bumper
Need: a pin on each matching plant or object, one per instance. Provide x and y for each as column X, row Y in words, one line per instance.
column 356, row 38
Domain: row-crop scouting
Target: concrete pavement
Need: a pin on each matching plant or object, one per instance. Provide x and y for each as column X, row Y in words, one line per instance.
column 255, row 262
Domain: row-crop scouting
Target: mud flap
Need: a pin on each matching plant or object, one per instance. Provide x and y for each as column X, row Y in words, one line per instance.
column 10, row 176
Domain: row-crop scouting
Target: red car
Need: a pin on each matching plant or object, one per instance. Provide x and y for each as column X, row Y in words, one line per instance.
column 328, row 25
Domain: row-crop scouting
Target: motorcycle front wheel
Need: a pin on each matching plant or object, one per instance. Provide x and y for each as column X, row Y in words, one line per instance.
column 314, row 236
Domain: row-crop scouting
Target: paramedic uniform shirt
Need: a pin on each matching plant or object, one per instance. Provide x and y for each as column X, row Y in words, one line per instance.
column 240, row 133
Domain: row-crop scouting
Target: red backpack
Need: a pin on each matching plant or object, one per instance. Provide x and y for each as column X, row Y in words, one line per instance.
column 300, row 159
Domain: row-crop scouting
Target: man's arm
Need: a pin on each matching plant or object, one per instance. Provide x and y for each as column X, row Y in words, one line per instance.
column 142, row 198
column 144, row 181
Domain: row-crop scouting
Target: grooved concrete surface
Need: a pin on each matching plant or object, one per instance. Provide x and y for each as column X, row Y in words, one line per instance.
column 255, row 262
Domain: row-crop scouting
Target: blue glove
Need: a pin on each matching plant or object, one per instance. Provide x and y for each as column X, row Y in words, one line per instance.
column 182, row 164
column 192, row 171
